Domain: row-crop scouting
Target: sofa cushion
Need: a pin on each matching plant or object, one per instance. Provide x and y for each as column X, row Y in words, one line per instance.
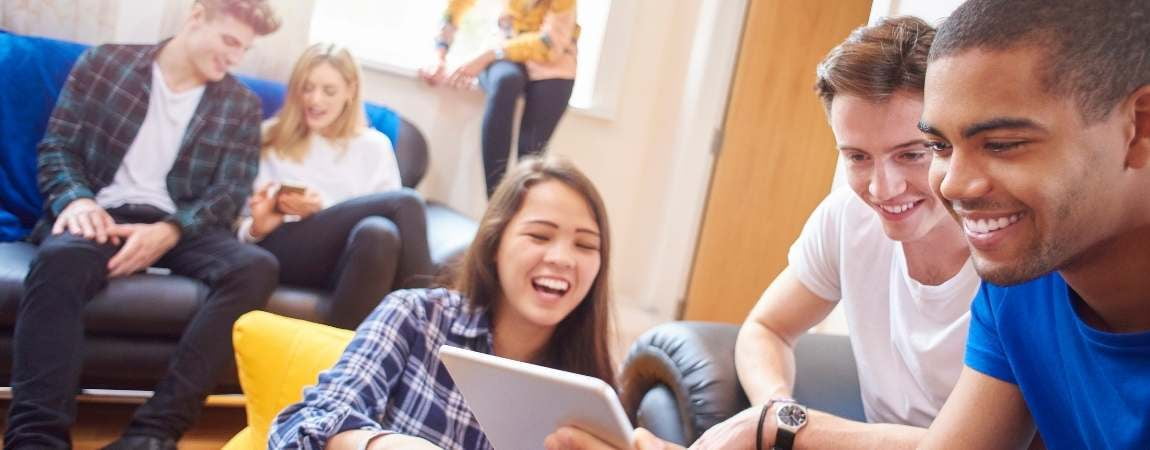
column 277, row 357
column 140, row 305
column 34, row 73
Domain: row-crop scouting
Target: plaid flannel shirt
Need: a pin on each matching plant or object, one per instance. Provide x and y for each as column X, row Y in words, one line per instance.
column 99, row 113
column 390, row 377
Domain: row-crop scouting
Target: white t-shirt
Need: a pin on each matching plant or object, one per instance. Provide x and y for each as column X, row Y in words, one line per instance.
column 366, row 166
column 908, row 338
column 143, row 175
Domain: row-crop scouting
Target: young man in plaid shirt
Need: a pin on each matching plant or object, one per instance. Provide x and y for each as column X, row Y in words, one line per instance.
column 147, row 159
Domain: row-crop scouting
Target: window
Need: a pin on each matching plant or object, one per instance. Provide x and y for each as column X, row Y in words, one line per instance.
column 398, row 36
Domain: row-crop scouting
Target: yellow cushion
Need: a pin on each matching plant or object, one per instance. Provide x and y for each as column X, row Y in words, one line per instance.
column 277, row 357
column 243, row 441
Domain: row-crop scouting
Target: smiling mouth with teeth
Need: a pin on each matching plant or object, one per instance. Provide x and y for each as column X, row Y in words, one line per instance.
column 551, row 285
column 987, row 226
column 899, row 209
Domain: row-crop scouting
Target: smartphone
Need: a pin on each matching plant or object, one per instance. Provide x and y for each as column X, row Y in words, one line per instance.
column 289, row 188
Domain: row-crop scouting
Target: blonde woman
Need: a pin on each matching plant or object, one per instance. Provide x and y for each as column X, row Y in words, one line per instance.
column 329, row 203
column 535, row 60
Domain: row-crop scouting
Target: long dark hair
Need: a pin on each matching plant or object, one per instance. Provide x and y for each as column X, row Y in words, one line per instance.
column 579, row 343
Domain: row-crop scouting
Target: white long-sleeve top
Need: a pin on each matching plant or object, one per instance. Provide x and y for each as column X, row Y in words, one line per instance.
column 366, row 166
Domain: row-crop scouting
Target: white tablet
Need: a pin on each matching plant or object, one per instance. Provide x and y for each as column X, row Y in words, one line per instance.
column 519, row 404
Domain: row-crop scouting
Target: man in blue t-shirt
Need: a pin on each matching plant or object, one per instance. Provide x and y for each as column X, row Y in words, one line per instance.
column 1039, row 115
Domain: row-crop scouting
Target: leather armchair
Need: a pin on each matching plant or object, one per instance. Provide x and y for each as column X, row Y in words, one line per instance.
column 679, row 378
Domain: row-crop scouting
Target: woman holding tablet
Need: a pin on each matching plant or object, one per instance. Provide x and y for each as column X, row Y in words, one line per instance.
column 328, row 200
column 532, row 287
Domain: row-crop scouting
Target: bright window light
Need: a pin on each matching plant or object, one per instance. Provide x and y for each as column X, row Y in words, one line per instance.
column 399, row 35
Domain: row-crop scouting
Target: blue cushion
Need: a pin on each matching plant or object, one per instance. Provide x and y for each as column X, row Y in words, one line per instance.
column 35, row 71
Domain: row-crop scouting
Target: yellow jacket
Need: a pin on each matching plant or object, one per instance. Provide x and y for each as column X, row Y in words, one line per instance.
column 541, row 34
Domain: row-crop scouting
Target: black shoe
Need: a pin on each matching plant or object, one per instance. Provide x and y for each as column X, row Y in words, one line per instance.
column 141, row 442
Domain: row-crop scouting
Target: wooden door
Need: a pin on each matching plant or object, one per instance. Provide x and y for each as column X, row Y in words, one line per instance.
column 777, row 158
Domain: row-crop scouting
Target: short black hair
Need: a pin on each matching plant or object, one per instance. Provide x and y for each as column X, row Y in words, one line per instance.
column 1098, row 51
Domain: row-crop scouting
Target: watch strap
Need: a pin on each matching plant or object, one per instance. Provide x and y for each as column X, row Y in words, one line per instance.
column 784, row 439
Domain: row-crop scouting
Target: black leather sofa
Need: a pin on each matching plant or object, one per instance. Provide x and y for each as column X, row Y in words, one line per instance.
column 679, row 378
column 134, row 324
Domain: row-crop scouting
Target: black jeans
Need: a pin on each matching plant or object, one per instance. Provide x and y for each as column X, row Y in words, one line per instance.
column 545, row 101
column 49, row 335
column 358, row 250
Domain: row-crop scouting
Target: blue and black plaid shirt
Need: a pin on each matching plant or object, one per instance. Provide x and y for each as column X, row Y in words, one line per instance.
column 390, row 377
column 98, row 115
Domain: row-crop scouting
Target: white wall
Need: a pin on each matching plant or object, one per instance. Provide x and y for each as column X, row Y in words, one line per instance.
column 931, row 10
column 89, row 21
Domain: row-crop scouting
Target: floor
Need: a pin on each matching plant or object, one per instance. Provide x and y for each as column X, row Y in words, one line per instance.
column 100, row 419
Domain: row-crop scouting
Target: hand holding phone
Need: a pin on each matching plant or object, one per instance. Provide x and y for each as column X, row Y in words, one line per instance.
column 297, row 200
column 290, row 188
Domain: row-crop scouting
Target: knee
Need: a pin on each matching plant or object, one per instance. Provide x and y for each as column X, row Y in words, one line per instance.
column 507, row 83
column 256, row 267
column 376, row 233
column 409, row 201
column 74, row 257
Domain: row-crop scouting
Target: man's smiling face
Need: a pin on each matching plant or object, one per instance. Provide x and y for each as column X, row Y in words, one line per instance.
column 1027, row 177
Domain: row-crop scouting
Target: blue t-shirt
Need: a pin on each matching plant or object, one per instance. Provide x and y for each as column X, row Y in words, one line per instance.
column 1085, row 388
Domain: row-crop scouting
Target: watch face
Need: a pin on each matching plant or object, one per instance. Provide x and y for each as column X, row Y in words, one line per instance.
column 792, row 415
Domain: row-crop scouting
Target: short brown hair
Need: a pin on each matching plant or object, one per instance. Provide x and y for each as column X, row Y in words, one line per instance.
column 580, row 341
column 1096, row 50
column 877, row 61
column 257, row 14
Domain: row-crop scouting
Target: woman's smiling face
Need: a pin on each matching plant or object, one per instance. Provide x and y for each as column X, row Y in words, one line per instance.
column 548, row 257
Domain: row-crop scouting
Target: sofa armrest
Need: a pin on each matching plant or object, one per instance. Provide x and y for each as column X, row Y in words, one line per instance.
column 689, row 366
column 679, row 378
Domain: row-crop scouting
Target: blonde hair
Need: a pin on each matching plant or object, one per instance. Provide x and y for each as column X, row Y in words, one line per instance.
column 257, row 14
column 288, row 134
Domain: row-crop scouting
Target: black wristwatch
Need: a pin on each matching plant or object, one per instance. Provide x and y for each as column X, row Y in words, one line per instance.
column 789, row 418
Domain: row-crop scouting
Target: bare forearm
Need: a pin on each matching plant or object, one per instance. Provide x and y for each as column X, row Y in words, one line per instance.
column 349, row 439
column 765, row 363
column 825, row 431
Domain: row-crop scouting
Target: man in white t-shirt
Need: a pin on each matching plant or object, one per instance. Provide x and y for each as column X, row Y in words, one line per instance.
column 885, row 249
